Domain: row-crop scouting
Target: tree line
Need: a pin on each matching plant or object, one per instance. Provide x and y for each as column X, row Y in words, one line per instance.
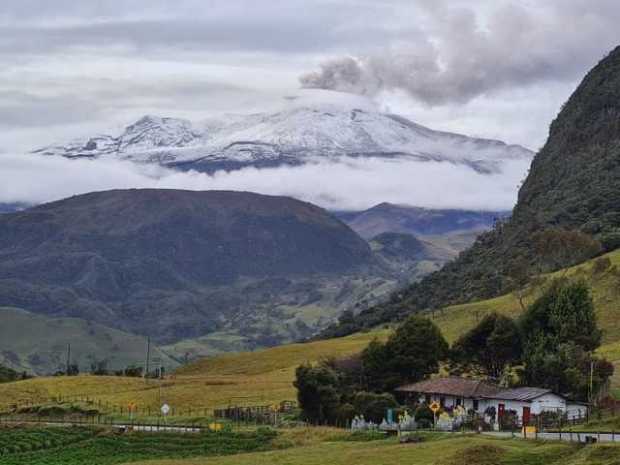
column 551, row 345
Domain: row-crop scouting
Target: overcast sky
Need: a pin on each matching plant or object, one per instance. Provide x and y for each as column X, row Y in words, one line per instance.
column 490, row 68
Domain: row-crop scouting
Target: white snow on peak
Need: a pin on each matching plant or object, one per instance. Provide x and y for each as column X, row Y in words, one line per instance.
column 308, row 127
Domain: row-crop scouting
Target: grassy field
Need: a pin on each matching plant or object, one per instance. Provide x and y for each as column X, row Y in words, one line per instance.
column 36, row 344
column 457, row 319
column 248, row 378
column 452, row 450
column 297, row 446
column 265, row 376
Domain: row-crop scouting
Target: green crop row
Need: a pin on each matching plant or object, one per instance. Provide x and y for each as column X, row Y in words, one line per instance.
column 109, row 448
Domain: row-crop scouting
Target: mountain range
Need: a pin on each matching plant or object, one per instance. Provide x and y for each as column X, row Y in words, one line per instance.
column 205, row 272
column 200, row 272
column 293, row 136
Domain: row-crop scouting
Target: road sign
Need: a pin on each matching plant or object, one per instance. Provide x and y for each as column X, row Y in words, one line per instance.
column 165, row 409
column 435, row 407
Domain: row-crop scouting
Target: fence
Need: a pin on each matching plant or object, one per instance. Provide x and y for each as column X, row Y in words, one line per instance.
column 258, row 414
column 98, row 412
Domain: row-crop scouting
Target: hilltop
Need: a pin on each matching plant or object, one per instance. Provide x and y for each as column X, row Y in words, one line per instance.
column 173, row 264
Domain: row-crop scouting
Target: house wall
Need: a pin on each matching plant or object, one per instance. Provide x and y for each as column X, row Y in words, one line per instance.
column 548, row 402
column 451, row 401
column 576, row 411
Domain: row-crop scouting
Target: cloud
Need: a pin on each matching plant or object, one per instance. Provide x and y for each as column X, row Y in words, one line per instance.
column 350, row 184
column 463, row 55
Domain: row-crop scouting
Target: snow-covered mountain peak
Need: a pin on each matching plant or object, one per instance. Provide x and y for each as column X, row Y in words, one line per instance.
column 153, row 132
column 300, row 132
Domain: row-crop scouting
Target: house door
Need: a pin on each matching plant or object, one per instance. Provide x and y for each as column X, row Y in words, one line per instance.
column 500, row 413
column 526, row 416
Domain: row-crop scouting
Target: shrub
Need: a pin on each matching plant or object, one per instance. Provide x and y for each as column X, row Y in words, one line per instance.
column 424, row 416
column 373, row 406
column 344, row 414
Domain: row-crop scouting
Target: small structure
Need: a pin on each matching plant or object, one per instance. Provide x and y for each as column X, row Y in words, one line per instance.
column 483, row 397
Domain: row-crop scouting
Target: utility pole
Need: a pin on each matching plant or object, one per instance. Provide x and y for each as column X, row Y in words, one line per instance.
column 148, row 356
column 591, row 381
column 68, row 358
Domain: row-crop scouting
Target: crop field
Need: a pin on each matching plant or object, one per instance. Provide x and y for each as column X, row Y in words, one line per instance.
column 78, row 446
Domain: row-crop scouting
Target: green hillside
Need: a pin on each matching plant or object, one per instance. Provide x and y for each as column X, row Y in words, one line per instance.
column 570, row 198
column 38, row 344
column 605, row 285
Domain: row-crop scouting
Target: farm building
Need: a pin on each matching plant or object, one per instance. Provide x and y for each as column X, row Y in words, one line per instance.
column 479, row 396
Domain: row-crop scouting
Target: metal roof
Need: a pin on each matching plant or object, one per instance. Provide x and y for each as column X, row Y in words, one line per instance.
column 453, row 386
column 524, row 394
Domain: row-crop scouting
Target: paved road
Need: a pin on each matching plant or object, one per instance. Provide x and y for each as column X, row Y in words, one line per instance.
column 580, row 437
column 116, row 426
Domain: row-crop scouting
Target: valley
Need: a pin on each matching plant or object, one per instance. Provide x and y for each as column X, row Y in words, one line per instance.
column 265, row 377
column 201, row 273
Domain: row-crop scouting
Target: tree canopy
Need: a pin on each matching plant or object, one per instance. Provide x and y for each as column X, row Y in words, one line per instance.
column 489, row 347
column 560, row 335
column 411, row 354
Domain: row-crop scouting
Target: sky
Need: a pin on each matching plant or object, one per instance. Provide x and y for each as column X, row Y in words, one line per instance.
column 489, row 68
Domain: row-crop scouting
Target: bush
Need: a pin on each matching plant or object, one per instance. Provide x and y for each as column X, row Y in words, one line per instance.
column 373, row 406
column 424, row 416
column 344, row 414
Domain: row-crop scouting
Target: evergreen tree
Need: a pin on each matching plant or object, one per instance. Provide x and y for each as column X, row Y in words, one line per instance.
column 489, row 347
column 563, row 314
column 560, row 335
column 317, row 393
column 411, row 354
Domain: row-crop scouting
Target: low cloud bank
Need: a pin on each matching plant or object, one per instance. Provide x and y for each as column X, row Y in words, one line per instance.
column 347, row 184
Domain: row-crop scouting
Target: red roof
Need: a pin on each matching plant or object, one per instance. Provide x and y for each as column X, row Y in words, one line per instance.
column 453, row 386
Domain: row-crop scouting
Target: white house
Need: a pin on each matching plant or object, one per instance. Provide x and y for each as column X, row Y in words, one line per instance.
column 479, row 395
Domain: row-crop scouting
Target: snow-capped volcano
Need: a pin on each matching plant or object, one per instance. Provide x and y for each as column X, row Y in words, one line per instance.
column 293, row 136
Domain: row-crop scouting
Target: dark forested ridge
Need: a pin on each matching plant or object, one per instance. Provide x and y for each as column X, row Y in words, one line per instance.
column 573, row 185
column 165, row 262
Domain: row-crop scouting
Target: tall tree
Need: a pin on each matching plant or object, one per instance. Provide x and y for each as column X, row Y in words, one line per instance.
column 317, row 392
column 563, row 314
column 489, row 347
column 560, row 248
column 560, row 335
column 411, row 353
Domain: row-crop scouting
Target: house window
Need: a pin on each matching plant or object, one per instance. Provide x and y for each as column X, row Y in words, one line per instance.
column 476, row 405
column 427, row 399
column 442, row 402
column 459, row 402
